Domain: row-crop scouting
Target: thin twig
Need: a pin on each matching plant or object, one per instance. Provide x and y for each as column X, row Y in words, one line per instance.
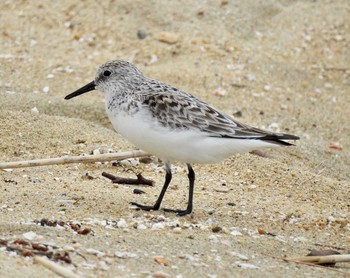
column 330, row 259
column 120, row 180
column 307, row 263
column 56, row 268
column 73, row 159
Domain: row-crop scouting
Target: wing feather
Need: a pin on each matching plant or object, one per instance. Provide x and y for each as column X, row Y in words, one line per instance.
column 179, row 110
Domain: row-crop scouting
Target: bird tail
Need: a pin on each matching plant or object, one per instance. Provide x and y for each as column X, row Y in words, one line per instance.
column 278, row 138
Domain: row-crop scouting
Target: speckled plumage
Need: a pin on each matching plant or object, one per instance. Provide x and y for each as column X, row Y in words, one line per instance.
column 173, row 108
column 172, row 124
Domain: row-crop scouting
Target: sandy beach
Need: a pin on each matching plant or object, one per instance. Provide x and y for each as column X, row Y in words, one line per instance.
column 282, row 66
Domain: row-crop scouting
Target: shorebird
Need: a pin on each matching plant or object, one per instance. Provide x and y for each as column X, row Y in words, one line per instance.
column 172, row 124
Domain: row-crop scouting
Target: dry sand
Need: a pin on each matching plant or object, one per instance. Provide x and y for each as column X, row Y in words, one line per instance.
column 283, row 64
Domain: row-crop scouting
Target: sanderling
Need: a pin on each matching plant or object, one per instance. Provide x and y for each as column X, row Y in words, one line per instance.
column 172, row 124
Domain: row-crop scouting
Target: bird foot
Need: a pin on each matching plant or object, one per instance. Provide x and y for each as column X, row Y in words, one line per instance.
column 149, row 208
column 143, row 207
column 179, row 212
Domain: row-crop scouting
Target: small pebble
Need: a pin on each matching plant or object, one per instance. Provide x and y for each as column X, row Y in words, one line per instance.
column 29, row 235
column 252, row 186
column 246, row 265
column 161, row 217
column 220, row 92
column 236, row 233
column 120, row 254
column 259, row 34
column 261, row 231
column 129, row 162
column 307, row 37
column 46, row 89
column 237, row 114
column 274, row 126
column 250, row 77
column 141, row 34
column 34, row 110
column 122, row 223
column 145, row 160
column 141, row 227
column 158, row 226
column 240, row 256
column 339, row 38
column 200, row 13
column 138, row 191
column 224, row 2
column 168, row 37
column 153, row 59
column 258, row 94
column 33, row 42
column 162, row 261
column 216, row 229
column 87, row 176
column 283, row 106
column 69, row 24
column 267, row 87
column 160, row 274
column 177, row 230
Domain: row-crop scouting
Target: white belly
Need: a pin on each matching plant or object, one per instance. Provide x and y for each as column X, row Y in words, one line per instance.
column 189, row 146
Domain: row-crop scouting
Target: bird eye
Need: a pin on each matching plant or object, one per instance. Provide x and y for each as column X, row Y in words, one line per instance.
column 106, row 73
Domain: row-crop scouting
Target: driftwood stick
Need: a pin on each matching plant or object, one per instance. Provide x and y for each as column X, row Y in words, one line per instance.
column 309, row 264
column 330, row 259
column 73, row 159
column 56, row 268
column 141, row 180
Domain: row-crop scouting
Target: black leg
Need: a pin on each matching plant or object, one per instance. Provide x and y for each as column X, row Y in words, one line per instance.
column 191, row 177
column 156, row 206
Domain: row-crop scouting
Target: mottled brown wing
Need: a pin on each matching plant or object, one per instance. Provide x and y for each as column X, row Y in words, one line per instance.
column 176, row 109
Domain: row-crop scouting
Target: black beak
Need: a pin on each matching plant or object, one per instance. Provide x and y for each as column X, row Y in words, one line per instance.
column 87, row 88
